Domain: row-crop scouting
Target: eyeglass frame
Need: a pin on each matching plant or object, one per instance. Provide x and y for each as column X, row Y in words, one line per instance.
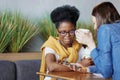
column 72, row 32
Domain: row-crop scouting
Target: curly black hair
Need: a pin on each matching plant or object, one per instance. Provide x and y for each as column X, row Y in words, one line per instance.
column 65, row 13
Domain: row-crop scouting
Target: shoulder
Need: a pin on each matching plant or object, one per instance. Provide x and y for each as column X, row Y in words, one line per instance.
column 105, row 28
column 108, row 26
column 49, row 50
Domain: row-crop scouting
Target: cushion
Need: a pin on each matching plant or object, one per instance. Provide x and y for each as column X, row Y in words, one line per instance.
column 26, row 69
column 7, row 70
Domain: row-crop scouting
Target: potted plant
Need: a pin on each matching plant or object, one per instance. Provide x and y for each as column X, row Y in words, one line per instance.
column 24, row 31
column 6, row 30
column 15, row 32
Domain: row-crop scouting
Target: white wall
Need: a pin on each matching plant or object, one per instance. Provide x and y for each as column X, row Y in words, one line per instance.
column 38, row 8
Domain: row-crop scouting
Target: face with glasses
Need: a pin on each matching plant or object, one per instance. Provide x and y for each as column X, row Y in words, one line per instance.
column 66, row 33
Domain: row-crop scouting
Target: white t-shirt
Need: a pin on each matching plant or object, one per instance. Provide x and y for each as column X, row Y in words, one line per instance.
column 48, row 50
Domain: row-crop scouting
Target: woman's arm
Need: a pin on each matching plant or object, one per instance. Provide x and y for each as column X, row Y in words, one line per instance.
column 53, row 65
column 102, row 55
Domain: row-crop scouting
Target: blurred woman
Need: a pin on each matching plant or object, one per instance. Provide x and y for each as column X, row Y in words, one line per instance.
column 106, row 55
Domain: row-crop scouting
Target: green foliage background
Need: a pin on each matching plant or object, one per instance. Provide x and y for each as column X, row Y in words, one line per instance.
column 16, row 30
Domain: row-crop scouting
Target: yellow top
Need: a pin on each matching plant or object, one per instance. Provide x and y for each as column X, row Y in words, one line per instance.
column 71, row 53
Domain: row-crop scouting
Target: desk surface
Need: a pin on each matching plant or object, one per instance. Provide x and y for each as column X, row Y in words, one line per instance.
column 73, row 76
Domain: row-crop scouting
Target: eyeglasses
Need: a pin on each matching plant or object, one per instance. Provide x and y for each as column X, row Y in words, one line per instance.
column 64, row 33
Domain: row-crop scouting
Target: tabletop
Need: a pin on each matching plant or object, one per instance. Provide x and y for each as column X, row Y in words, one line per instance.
column 73, row 76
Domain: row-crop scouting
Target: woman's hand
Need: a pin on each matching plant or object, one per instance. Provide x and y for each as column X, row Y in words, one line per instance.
column 85, row 38
column 82, row 69
column 86, row 62
column 78, row 67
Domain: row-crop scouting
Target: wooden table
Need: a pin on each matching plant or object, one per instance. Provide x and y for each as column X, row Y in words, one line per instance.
column 72, row 76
